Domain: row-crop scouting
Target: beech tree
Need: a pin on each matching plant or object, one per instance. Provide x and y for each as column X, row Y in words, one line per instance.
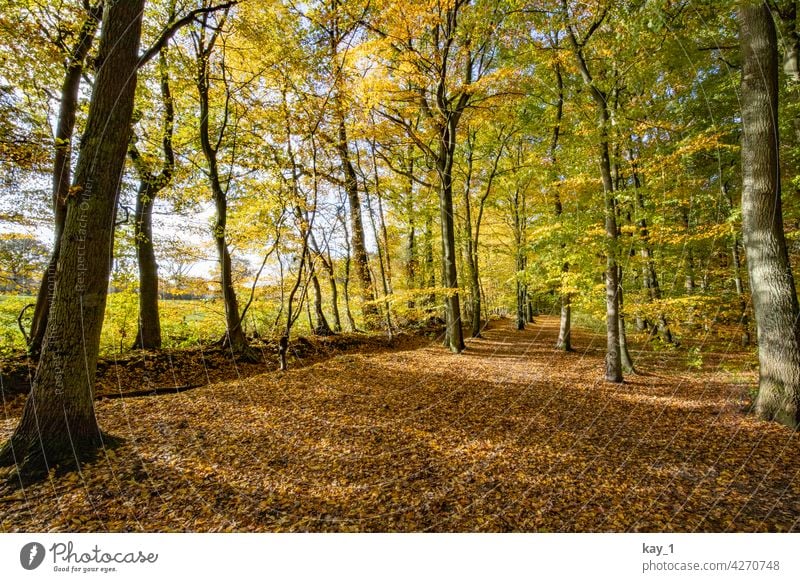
column 774, row 295
column 58, row 425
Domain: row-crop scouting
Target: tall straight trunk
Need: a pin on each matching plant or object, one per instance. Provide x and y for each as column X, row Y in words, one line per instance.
column 564, row 341
column 58, row 424
column 625, row 355
column 62, row 159
column 368, row 307
column 411, row 235
column 774, row 297
column 234, row 332
column 613, row 355
column 148, row 335
column 447, row 147
column 470, row 250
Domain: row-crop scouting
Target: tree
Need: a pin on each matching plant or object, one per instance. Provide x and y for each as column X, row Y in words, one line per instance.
column 613, row 350
column 148, row 335
column 775, row 303
column 58, row 424
column 205, row 41
column 21, row 258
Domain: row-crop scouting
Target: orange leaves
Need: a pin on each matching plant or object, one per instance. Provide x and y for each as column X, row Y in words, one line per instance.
column 512, row 435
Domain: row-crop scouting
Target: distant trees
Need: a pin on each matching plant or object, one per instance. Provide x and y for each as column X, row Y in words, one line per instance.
column 22, row 258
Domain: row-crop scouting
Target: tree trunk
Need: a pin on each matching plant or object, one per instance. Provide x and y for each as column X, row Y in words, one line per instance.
column 65, row 128
column 234, row 332
column 148, row 335
column 58, row 425
column 322, row 327
column 774, row 297
column 565, row 328
column 625, row 355
column 613, row 356
column 454, row 333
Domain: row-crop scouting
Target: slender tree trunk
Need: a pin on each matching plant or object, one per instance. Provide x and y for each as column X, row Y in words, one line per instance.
column 625, row 355
column 322, row 327
column 430, row 271
column 234, row 334
column 148, row 335
column 471, row 251
column 565, row 328
column 613, row 356
column 58, row 425
column 774, row 297
column 455, row 335
column 62, row 159
column 346, row 283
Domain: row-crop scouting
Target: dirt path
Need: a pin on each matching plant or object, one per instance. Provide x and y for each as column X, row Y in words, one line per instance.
column 509, row 436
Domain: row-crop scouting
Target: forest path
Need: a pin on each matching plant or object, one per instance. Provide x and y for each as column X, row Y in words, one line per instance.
column 511, row 435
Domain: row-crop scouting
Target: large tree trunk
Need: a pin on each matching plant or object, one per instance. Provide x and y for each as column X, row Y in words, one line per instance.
column 65, row 127
column 774, row 297
column 58, row 425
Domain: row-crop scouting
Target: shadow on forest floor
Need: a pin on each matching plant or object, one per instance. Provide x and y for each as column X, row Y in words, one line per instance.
column 512, row 435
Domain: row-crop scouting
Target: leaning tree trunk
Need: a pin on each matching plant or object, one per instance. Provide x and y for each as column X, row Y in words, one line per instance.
column 65, row 127
column 774, row 297
column 58, row 425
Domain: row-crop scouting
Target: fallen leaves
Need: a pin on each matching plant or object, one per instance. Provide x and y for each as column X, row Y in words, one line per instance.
column 510, row 436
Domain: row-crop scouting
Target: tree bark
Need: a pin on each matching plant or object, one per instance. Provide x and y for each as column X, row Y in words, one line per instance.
column 148, row 335
column 234, row 332
column 65, row 128
column 58, row 425
column 774, row 297
column 613, row 355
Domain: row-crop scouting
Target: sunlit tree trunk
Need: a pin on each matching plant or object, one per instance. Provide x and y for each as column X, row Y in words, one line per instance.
column 65, row 127
column 774, row 297
column 58, row 425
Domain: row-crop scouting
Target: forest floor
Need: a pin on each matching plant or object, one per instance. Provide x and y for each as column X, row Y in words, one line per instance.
column 512, row 435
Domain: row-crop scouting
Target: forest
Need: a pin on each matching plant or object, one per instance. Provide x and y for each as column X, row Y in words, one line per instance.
column 372, row 265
